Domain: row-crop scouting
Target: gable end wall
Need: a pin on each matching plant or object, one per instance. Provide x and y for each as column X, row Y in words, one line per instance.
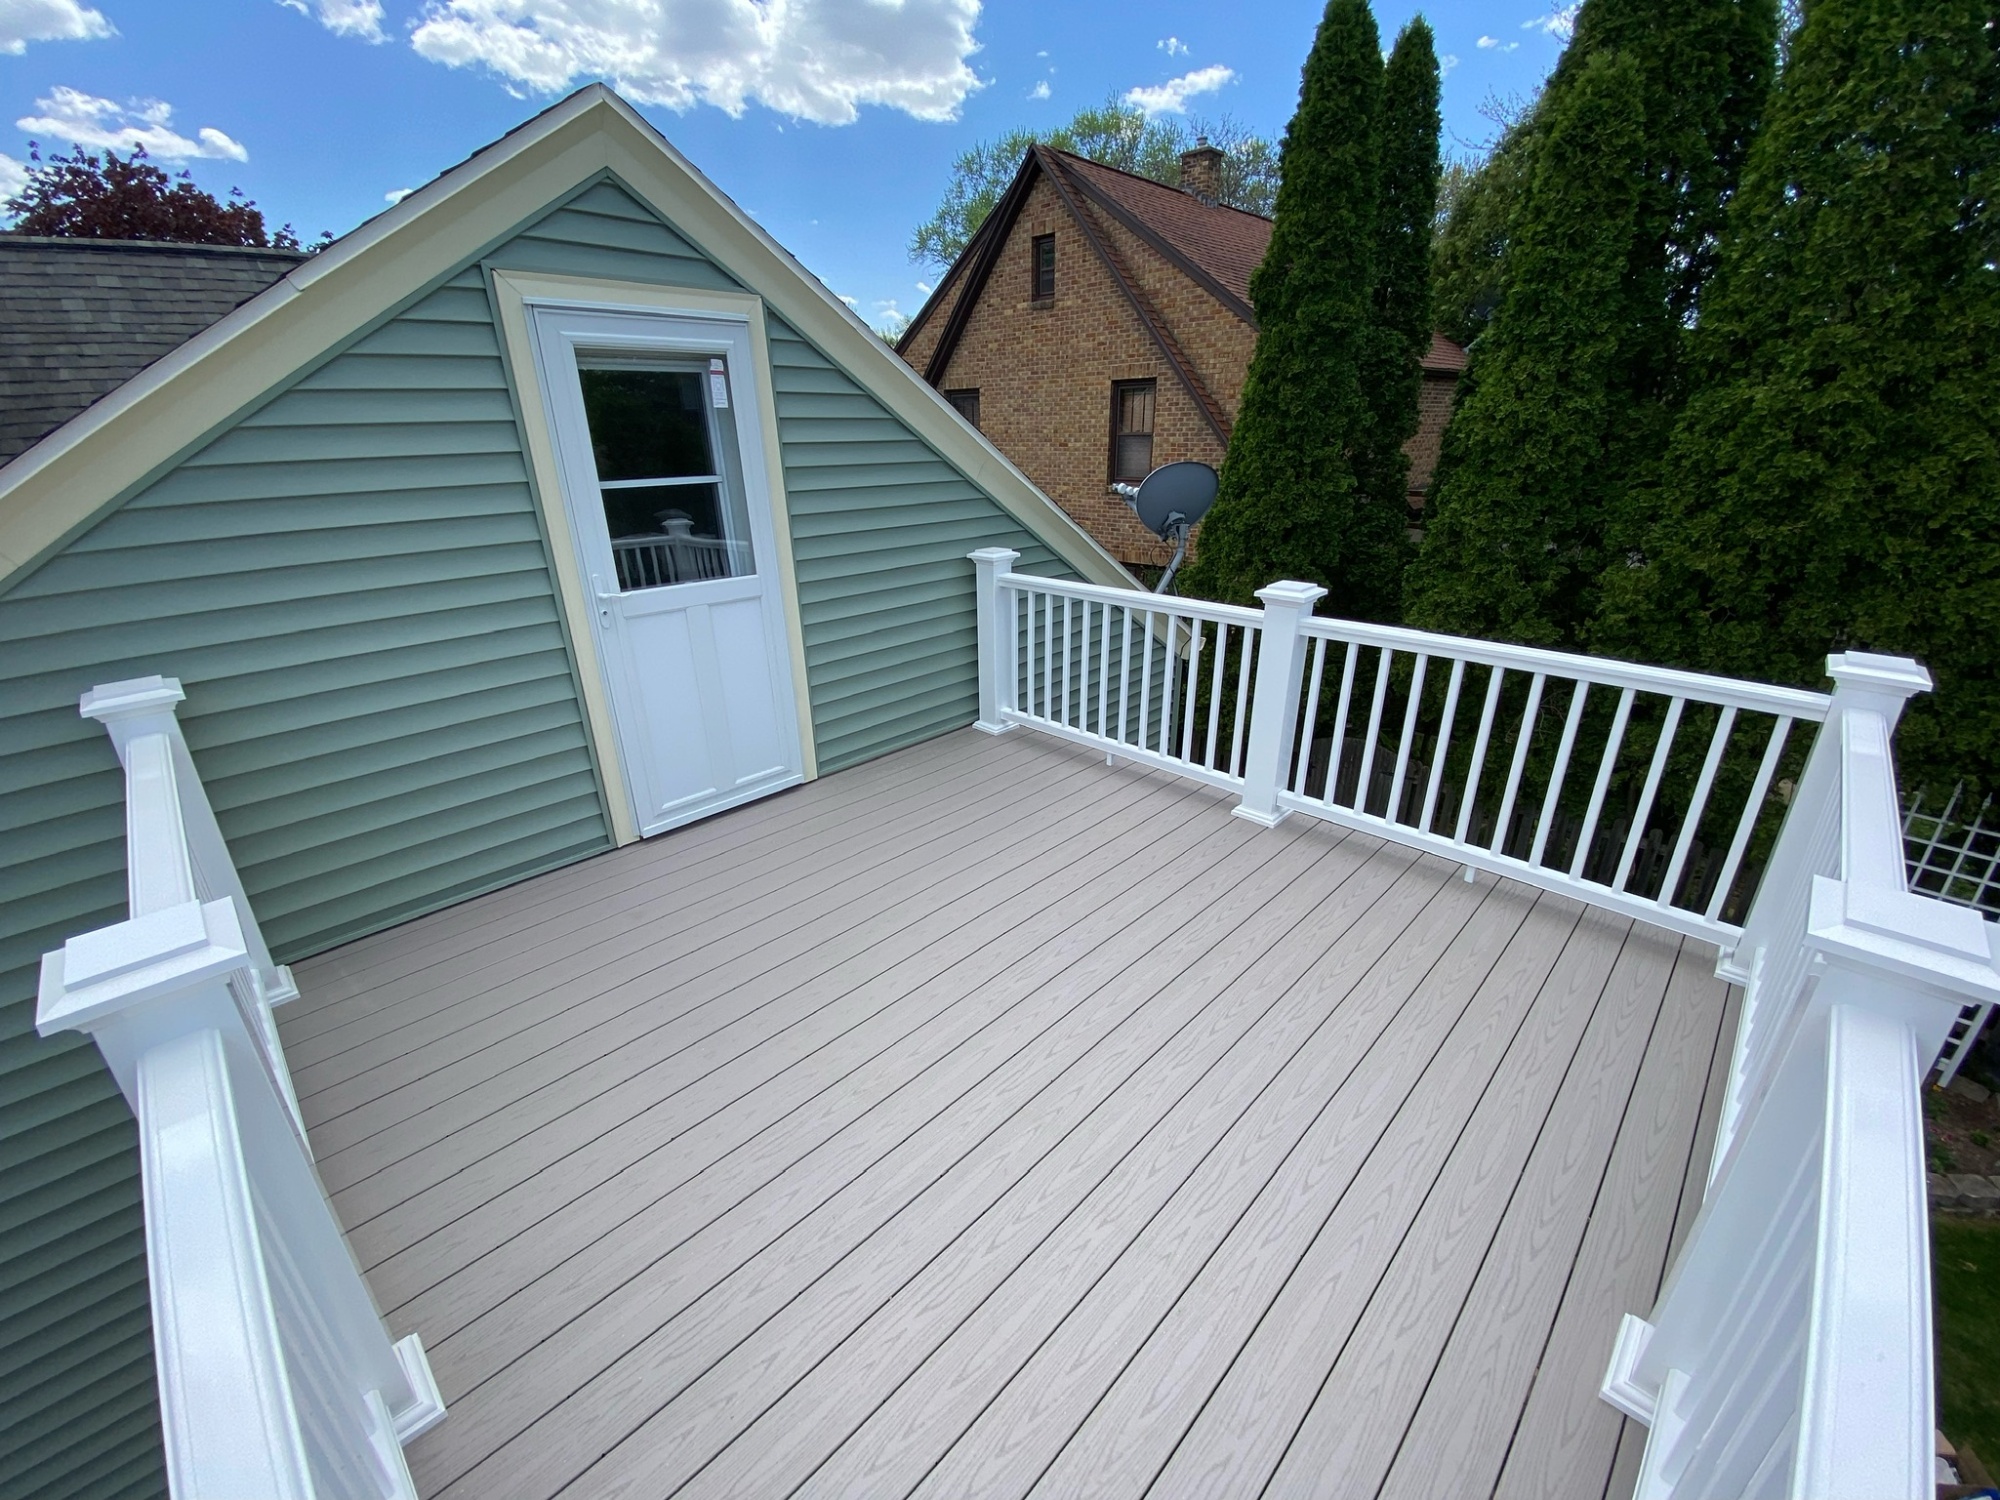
column 352, row 584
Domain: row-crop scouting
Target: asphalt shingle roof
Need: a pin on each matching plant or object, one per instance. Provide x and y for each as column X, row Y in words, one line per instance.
column 78, row 317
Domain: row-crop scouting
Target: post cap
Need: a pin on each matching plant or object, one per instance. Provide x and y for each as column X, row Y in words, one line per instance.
column 121, row 700
column 1878, row 674
column 994, row 555
column 1291, row 591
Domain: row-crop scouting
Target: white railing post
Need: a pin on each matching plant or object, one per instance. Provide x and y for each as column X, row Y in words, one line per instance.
column 1804, row 847
column 1274, row 706
column 130, row 711
column 1789, row 1351
column 996, row 636
column 276, row 1374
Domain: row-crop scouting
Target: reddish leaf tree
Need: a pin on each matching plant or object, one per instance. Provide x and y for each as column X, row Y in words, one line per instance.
column 86, row 197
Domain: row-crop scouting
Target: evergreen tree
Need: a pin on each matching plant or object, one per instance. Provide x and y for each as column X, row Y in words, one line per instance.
column 1705, row 68
column 1469, row 249
column 1288, row 497
column 1699, row 72
column 1392, row 369
column 1514, row 545
column 1836, row 480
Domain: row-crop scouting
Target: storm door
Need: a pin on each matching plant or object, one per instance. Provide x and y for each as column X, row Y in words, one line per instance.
column 672, row 522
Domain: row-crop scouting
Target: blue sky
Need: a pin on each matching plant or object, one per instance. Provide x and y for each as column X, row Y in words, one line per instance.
column 834, row 122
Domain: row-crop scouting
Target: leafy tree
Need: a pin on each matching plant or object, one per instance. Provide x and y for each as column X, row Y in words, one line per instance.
column 1392, row 365
column 87, row 197
column 1115, row 134
column 1514, row 544
column 1288, row 498
column 1835, row 481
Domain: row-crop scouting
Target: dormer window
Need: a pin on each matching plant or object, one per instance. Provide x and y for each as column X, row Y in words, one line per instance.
column 1044, row 266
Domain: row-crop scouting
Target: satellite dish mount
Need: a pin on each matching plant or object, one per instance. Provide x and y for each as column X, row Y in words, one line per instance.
column 1169, row 502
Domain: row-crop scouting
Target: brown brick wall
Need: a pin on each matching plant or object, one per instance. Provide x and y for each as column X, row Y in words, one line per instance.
column 1044, row 371
column 1433, row 412
column 1044, row 374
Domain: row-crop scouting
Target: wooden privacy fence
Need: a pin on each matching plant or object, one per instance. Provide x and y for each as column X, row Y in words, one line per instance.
column 1789, row 1353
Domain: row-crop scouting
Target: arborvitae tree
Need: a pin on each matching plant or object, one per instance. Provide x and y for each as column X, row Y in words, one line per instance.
column 1514, row 544
column 1835, row 482
column 1705, row 68
column 1469, row 248
column 1288, row 486
column 1392, row 368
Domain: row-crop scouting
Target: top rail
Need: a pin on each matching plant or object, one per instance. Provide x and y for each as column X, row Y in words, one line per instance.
column 1793, row 703
column 1097, row 593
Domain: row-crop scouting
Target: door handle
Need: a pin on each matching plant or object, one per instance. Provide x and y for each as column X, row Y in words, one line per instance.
column 603, row 601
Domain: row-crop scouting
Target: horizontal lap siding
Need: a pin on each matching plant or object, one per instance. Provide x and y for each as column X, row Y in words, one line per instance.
column 880, row 523
column 880, row 529
column 352, row 586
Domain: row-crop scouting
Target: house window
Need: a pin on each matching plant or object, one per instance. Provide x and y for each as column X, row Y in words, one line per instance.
column 1131, row 430
column 1044, row 266
column 965, row 403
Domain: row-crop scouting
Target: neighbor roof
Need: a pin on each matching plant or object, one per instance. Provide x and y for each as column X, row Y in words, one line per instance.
column 80, row 317
column 1216, row 246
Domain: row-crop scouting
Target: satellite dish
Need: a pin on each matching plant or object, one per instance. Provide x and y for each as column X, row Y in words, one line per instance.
column 1168, row 502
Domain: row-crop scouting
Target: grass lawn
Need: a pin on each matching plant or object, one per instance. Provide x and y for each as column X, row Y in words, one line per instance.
column 1965, row 1261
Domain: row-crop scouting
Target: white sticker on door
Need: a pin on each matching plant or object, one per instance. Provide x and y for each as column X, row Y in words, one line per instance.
column 718, row 384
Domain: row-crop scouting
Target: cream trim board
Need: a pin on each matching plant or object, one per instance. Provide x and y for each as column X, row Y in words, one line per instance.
column 102, row 456
column 514, row 291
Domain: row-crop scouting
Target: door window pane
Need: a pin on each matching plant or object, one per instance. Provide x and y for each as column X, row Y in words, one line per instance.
column 668, row 476
column 647, row 424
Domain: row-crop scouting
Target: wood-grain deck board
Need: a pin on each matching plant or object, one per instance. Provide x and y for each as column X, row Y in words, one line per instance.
column 986, row 1120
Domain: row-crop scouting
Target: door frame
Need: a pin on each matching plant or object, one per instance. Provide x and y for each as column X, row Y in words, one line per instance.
column 514, row 293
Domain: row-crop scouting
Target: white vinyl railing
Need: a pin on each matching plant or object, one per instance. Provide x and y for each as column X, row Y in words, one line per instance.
column 276, row 1376
column 646, row 562
column 1789, row 1351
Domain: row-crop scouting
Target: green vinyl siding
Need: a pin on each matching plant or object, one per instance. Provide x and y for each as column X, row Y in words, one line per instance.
column 352, row 584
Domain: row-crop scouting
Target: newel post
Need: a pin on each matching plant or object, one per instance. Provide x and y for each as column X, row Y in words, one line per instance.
column 1807, row 841
column 996, row 636
column 1274, row 708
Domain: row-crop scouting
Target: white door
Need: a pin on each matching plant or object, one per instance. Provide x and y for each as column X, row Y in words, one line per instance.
column 669, row 505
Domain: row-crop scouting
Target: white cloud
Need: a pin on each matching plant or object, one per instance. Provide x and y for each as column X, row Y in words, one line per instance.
column 1493, row 43
column 850, row 301
column 1558, row 23
column 25, row 21
column 357, row 18
column 1447, row 62
column 71, row 117
column 1173, row 46
column 397, row 195
column 13, row 176
column 818, row 60
column 1040, row 90
column 923, row 288
column 1171, row 97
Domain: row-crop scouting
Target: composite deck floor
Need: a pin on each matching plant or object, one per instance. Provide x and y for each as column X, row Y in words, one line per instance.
column 988, row 1121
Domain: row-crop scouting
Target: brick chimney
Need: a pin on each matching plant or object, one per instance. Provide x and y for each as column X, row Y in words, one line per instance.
column 1201, row 171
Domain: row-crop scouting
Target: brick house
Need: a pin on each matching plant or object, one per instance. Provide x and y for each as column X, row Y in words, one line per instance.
column 1099, row 324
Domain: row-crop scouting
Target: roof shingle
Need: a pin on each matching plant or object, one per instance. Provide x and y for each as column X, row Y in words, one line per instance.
column 80, row 317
